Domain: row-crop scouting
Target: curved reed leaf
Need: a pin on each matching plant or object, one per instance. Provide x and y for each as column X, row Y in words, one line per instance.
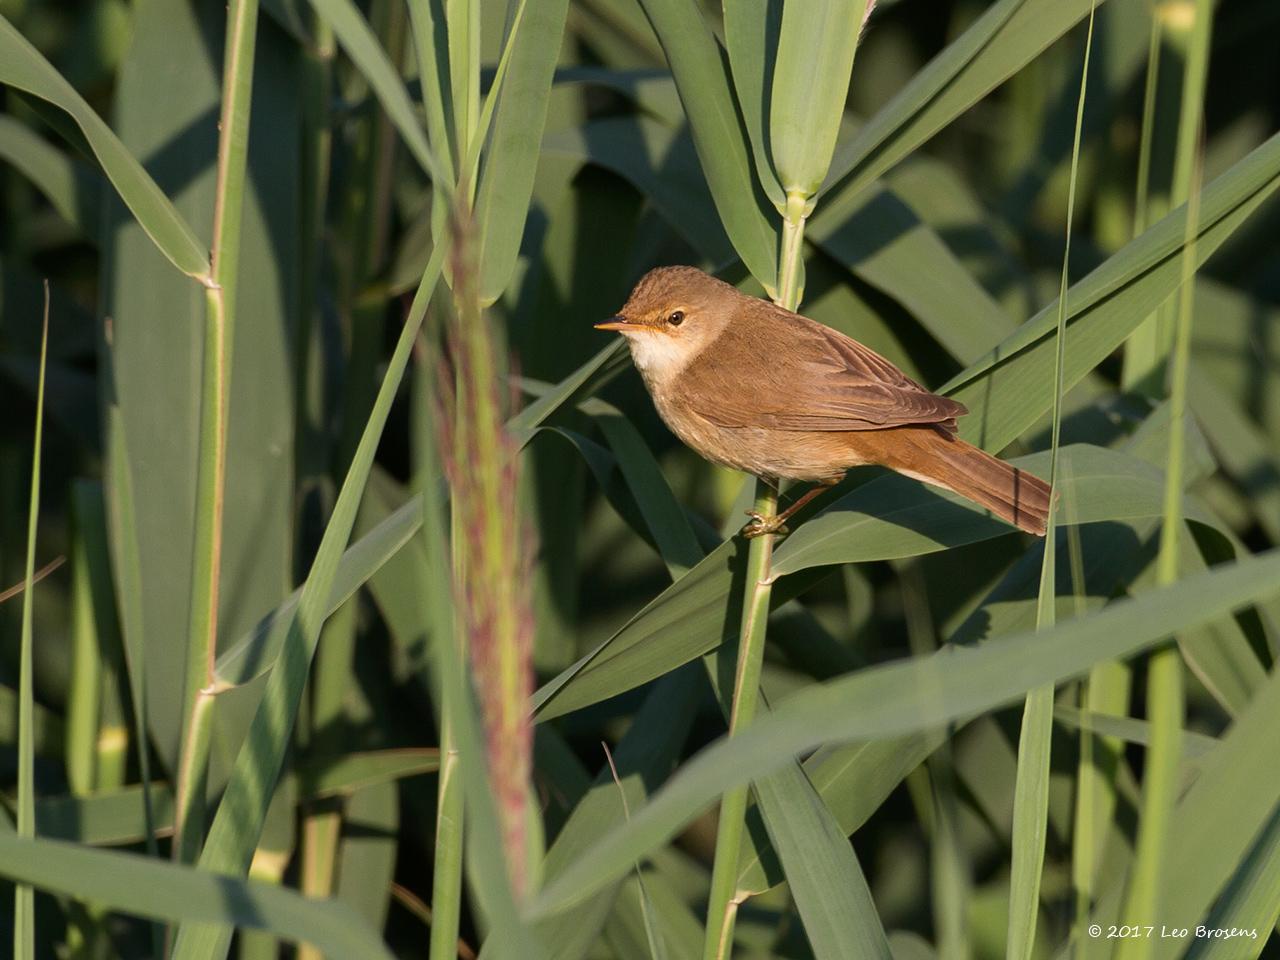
column 254, row 654
column 888, row 518
column 658, row 160
column 153, row 888
column 1000, row 43
column 1009, row 388
column 913, row 695
column 361, row 45
column 828, row 885
column 751, row 40
column 706, row 92
column 74, row 190
column 22, row 66
column 506, row 178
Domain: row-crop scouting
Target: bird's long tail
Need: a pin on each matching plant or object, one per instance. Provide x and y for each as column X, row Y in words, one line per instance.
column 1014, row 495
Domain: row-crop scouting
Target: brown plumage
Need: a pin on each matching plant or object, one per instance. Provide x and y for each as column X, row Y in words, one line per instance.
column 752, row 386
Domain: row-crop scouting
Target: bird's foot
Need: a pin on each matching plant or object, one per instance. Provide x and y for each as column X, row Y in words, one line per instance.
column 761, row 525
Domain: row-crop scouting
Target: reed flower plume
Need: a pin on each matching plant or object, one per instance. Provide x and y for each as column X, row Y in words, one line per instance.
column 492, row 545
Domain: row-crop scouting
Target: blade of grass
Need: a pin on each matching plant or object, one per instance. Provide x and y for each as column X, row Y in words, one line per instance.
column 1031, row 789
column 1180, row 46
column 1140, row 356
column 1007, row 36
column 1251, row 901
column 322, row 777
column 22, row 66
column 236, row 826
column 255, row 653
column 74, row 190
column 751, row 41
column 706, row 92
column 914, row 695
column 430, row 41
column 1119, row 293
column 950, row 873
column 85, row 689
column 322, row 823
column 463, row 18
column 164, row 891
column 24, row 932
column 1124, row 729
column 506, row 183
column 825, row 878
column 127, row 566
column 653, row 935
column 1166, row 706
column 360, row 43
column 1105, row 693
column 888, row 518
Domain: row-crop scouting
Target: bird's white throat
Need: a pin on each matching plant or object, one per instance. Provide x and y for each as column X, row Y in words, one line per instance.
column 659, row 356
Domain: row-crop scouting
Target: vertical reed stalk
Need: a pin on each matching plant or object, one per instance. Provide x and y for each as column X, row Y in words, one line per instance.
column 1179, row 51
column 1031, row 787
column 24, row 902
column 949, row 871
column 220, row 303
column 313, row 174
column 84, row 700
column 331, row 674
column 446, row 880
column 722, row 906
column 369, row 212
column 1165, row 694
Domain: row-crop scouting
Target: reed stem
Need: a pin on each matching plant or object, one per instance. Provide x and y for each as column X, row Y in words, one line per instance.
column 220, row 302
column 1178, row 55
column 446, row 896
column 1166, row 697
column 722, row 906
column 1031, row 787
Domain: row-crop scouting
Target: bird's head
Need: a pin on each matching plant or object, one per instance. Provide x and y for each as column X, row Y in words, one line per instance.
column 671, row 316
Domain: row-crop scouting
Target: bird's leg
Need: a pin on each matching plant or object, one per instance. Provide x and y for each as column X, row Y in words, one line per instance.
column 759, row 525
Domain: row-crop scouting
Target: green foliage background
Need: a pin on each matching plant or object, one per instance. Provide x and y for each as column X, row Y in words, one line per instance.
column 300, row 753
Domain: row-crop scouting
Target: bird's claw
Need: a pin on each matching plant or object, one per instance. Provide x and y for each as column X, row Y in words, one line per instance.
column 761, row 525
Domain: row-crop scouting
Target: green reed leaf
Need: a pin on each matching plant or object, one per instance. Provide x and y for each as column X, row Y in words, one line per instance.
column 22, row 66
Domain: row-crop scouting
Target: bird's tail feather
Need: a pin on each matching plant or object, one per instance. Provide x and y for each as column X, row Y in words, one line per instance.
column 1014, row 495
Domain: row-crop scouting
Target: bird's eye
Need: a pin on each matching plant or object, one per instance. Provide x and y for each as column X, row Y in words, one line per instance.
column 676, row 318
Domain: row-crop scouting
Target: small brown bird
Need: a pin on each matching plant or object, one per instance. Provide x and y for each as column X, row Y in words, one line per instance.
column 752, row 386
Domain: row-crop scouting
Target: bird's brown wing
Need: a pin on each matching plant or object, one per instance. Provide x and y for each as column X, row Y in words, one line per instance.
column 795, row 374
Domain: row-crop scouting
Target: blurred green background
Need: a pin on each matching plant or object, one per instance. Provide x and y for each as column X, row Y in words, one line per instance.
column 938, row 238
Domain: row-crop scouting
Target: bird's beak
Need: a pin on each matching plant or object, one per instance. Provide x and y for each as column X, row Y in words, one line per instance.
column 615, row 323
